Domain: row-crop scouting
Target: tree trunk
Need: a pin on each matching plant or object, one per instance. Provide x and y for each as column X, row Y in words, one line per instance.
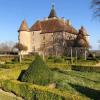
column 43, row 56
column 76, row 55
column 56, row 52
column 71, row 55
column 20, row 57
column 85, row 54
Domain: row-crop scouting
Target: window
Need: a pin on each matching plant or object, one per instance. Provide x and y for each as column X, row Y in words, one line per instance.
column 33, row 33
column 43, row 37
column 33, row 48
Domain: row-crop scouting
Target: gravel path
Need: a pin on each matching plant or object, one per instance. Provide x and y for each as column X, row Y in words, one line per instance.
column 98, row 64
column 8, row 96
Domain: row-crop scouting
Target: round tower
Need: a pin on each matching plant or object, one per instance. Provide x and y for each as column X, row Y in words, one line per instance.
column 25, row 37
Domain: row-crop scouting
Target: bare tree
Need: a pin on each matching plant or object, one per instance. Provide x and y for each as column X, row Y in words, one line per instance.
column 20, row 48
column 45, row 47
column 96, row 7
column 6, row 46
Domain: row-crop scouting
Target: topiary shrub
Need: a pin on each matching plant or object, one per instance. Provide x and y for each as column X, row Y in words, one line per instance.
column 85, row 68
column 58, row 60
column 37, row 73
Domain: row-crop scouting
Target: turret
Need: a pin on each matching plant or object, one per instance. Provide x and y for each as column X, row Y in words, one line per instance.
column 52, row 13
column 23, row 26
column 25, row 36
column 81, row 40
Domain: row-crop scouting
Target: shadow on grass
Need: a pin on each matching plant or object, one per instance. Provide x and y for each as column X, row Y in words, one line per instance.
column 22, row 72
column 91, row 93
column 64, row 72
column 84, row 78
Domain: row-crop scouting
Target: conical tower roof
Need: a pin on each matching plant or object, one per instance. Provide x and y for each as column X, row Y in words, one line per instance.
column 83, row 30
column 23, row 26
column 52, row 13
column 81, row 40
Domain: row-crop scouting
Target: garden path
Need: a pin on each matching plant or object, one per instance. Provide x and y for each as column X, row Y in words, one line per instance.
column 98, row 64
column 8, row 96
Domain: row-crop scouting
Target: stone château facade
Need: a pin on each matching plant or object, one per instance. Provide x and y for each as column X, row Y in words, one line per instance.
column 51, row 36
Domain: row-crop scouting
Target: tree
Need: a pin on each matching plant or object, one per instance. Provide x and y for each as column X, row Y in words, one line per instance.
column 96, row 7
column 6, row 46
column 44, row 48
column 81, row 41
column 20, row 48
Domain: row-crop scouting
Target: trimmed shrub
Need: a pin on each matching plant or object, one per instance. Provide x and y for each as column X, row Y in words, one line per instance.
column 58, row 60
column 64, row 57
column 36, row 92
column 60, row 66
column 38, row 72
column 86, row 68
column 6, row 58
column 50, row 57
column 16, row 59
column 55, row 59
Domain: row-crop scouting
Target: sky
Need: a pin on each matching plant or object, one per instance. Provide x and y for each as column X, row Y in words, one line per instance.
column 12, row 12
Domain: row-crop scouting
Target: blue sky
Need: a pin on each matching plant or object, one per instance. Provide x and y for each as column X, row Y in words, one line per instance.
column 12, row 12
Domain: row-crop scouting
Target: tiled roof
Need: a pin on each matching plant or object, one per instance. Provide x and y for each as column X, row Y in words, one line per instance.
column 53, row 25
column 23, row 26
column 36, row 26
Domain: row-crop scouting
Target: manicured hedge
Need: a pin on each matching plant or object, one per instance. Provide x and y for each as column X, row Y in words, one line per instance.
column 54, row 59
column 13, row 72
column 36, row 92
column 86, row 68
column 59, row 66
column 37, row 73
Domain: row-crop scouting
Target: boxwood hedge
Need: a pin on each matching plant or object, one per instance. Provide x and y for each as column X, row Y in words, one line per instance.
column 37, row 73
column 86, row 68
column 36, row 92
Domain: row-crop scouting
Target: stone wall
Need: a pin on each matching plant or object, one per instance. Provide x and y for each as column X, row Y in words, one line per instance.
column 25, row 39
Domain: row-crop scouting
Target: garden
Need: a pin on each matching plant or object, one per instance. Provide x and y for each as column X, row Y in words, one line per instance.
column 56, row 78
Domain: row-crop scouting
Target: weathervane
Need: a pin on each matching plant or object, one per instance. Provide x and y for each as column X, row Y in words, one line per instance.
column 53, row 3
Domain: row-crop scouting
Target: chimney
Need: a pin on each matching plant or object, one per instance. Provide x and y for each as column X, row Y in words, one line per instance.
column 69, row 22
column 63, row 18
column 45, row 18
